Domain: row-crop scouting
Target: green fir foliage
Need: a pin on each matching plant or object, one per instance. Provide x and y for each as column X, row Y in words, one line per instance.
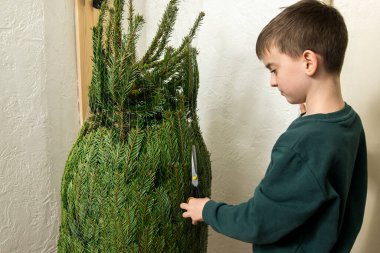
column 129, row 169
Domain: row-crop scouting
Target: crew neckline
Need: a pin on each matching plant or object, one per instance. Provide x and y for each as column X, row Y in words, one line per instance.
column 343, row 113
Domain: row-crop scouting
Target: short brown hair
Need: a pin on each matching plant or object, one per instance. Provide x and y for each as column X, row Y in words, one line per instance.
column 307, row 25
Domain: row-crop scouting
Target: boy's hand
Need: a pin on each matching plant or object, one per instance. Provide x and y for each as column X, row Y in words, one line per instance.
column 194, row 208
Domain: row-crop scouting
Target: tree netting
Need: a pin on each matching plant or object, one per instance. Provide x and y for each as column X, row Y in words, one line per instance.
column 129, row 169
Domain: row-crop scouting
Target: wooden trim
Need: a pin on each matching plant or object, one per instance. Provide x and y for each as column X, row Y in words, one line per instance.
column 86, row 17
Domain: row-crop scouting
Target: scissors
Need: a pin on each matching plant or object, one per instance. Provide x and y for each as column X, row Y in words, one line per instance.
column 195, row 190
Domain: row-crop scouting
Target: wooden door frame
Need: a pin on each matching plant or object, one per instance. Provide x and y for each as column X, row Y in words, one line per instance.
column 86, row 17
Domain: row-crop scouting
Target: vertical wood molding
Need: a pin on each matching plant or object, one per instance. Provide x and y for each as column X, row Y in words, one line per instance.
column 85, row 18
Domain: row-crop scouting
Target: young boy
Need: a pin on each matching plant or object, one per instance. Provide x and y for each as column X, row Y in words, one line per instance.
column 312, row 197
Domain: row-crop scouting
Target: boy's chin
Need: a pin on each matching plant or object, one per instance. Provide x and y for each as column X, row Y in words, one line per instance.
column 293, row 101
column 288, row 99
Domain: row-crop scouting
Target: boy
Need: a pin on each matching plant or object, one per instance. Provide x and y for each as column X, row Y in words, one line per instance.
column 313, row 194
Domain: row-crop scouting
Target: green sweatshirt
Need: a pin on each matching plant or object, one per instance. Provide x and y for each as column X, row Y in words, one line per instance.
column 312, row 197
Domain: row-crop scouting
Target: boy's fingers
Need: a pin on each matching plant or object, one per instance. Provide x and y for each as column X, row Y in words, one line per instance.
column 184, row 206
column 186, row 215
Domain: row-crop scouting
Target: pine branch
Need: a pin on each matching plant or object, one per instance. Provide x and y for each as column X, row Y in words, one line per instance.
column 189, row 38
column 165, row 28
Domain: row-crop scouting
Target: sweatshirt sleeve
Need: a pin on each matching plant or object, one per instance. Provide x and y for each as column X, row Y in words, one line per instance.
column 286, row 198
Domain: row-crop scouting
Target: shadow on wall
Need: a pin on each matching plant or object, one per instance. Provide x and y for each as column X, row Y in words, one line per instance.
column 372, row 241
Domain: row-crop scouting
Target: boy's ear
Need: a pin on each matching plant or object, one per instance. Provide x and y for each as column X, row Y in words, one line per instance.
column 311, row 62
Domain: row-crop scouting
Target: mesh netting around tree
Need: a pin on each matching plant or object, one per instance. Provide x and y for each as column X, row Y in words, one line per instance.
column 129, row 169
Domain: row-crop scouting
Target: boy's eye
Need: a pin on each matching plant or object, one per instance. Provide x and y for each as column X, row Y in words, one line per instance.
column 273, row 71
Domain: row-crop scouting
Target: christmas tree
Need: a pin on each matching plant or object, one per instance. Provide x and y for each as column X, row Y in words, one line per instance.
column 130, row 167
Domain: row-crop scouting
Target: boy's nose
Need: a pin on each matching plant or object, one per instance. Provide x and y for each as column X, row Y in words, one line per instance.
column 273, row 81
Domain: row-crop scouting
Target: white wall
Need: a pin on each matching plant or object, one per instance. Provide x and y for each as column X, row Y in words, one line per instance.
column 38, row 119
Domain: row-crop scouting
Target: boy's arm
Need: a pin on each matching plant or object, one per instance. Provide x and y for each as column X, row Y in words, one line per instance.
column 287, row 196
